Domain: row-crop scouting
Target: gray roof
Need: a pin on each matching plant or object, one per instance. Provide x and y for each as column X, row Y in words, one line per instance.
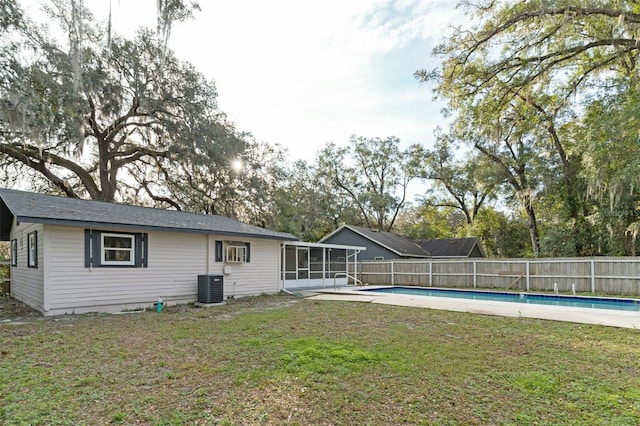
column 451, row 247
column 406, row 247
column 41, row 208
column 399, row 244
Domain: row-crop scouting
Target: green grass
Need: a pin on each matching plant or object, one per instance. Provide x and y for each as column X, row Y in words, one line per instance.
column 278, row 360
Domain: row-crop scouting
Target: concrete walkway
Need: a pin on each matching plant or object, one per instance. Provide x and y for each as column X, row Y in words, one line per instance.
column 608, row 317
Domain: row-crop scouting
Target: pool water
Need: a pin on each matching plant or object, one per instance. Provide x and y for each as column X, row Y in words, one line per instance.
column 539, row 299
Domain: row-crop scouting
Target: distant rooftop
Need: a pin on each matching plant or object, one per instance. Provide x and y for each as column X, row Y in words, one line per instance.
column 451, row 247
column 399, row 244
column 404, row 246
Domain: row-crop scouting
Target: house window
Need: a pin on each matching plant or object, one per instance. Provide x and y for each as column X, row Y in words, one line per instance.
column 14, row 252
column 232, row 251
column 236, row 253
column 117, row 249
column 111, row 249
column 378, row 258
column 32, row 249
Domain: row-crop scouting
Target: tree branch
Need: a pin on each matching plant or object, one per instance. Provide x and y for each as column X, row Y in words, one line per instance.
column 36, row 159
column 39, row 166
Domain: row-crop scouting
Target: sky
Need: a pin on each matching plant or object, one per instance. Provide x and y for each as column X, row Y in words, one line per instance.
column 304, row 73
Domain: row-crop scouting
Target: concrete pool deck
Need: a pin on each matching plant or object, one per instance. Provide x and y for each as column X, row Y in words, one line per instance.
column 607, row 317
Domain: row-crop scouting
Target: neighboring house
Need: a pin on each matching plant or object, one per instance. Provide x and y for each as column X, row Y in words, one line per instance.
column 379, row 245
column 387, row 245
column 73, row 256
column 453, row 247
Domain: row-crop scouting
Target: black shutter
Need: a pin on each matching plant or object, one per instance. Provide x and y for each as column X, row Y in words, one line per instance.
column 87, row 248
column 96, row 252
column 248, row 246
column 138, row 250
column 219, row 247
column 145, row 250
column 142, row 250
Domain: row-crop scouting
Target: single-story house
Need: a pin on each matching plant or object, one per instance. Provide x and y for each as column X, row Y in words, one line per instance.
column 388, row 245
column 73, row 256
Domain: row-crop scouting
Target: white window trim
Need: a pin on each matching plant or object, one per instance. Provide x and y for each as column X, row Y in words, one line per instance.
column 378, row 258
column 132, row 257
column 238, row 253
column 32, row 250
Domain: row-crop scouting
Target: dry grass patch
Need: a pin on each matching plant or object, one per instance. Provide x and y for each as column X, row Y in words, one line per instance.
column 276, row 360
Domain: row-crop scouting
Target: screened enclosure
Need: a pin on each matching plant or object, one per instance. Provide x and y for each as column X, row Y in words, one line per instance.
column 317, row 265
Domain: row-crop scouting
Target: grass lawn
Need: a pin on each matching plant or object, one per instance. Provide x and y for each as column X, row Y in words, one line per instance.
column 280, row 360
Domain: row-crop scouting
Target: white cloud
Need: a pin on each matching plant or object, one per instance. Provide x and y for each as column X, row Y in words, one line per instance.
column 302, row 73
column 392, row 24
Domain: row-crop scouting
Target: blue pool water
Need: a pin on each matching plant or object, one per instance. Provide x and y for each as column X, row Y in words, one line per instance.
column 540, row 299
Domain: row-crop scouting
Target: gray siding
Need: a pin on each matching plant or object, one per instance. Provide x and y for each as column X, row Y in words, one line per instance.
column 174, row 262
column 260, row 275
column 348, row 237
column 27, row 284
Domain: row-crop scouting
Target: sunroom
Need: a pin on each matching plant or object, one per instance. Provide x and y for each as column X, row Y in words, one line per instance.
column 316, row 265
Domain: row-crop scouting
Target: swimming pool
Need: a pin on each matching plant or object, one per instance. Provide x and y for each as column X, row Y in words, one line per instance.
column 538, row 299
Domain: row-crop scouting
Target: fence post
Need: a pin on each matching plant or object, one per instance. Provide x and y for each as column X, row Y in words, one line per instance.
column 593, row 276
column 614, row 277
column 393, row 262
column 475, row 282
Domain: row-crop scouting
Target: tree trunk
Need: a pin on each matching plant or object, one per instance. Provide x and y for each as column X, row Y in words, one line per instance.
column 532, row 225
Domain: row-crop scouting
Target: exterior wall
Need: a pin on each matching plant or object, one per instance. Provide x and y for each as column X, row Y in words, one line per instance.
column 348, row 237
column 174, row 262
column 27, row 284
column 260, row 275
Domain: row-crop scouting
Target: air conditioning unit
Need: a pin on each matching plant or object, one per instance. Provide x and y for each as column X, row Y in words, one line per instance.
column 210, row 289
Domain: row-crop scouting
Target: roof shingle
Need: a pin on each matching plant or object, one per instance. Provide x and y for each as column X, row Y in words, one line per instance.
column 451, row 247
column 42, row 208
column 404, row 246
column 399, row 244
